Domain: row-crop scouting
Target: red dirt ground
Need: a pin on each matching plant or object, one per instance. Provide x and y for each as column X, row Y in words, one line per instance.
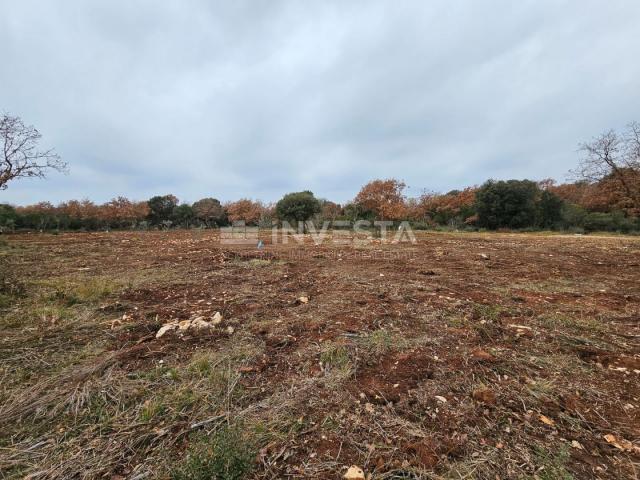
column 478, row 355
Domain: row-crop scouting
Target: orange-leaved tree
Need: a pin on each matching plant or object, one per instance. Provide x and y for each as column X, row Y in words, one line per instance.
column 383, row 199
column 245, row 210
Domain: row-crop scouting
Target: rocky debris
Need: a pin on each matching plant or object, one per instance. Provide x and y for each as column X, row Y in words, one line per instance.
column 167, row 327
column 302, row 300
column 622, row 444
column 216, row 319
column 197, row 324
column 546, row 420
column 354, row 473
column 522, row 330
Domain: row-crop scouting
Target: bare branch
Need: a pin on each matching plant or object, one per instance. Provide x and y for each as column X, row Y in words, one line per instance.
column 616, row 158
column 21, row 156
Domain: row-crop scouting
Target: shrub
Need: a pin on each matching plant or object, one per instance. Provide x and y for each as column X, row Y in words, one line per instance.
column 510, row 204
column 225, row 455
column 573, row 216
column 609, row 222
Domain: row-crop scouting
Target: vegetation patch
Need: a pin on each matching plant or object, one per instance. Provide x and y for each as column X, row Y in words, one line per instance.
column 226, row 454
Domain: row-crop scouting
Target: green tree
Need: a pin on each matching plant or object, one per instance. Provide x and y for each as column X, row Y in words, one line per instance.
column 297, row 206
column 549, row 209
column 8, row 217
column 183, row 215
column 573, row 216
column 507, row 204
column 161, row 208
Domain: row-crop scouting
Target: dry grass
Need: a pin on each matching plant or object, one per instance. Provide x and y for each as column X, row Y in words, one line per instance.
column 382, row 371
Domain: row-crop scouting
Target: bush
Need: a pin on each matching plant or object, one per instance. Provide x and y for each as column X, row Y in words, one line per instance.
column 225, row 455
column 8, row 217
column 422, row 226
column 573, row 216
column 609, row 222
column 510, row 204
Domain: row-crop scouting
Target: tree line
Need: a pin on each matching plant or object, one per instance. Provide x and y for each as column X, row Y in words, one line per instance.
column 604, row 196
column 511, row 204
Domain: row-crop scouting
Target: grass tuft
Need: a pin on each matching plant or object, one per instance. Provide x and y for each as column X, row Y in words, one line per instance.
column 225, row 455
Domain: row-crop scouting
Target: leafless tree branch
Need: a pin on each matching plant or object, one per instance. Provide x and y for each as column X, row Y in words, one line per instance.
column 613, row 156
column 21, row 156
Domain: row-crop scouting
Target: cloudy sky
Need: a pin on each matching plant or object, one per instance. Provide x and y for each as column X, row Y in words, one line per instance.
column 259, row 98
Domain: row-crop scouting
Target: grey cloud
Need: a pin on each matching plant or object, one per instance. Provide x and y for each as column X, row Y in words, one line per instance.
column 237, row 99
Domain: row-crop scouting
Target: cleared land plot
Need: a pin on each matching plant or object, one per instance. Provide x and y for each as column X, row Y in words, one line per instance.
column 462, row 356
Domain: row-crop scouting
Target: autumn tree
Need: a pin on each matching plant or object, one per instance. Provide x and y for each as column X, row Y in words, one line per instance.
column 122, row 212
column 383, row 199
column 245, row 210
column 614, row 157
column 210, row 211
column 21, row 156
column 571, row 192
column 330, row 211
column 456, row 205
column 72, row 209
column 40, row 215
column 140, row 210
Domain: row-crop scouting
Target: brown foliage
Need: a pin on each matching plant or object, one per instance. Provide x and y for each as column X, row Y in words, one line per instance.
column 123, row 210
column 117, row 212
column 612, row 160
column 330, row 210
column 245, row 210
column 80, row 209
column 384, row 198
column 605, row 195
column 449, row 205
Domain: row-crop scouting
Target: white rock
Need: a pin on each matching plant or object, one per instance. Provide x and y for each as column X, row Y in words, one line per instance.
column 354, row 473
column 216, row 319
column 167, row 328
column 200, row 324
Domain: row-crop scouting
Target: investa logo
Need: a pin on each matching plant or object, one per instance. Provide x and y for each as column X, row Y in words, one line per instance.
column 337, row 232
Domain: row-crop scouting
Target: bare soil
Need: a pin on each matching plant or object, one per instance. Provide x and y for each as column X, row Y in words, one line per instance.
column 460, row 356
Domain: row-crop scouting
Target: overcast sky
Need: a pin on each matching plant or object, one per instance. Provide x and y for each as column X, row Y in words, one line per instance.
column 255, row 99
